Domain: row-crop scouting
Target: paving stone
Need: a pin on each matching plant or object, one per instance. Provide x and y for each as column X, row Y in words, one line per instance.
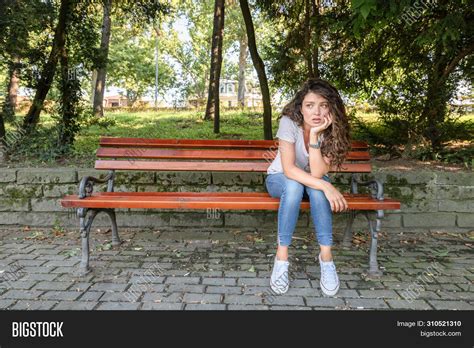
column 61, row 263
column 182, row 280
column 404, row 304
column 80, row 287
column 42, row 269
column 21, row 285
column 219, row 281
column 75, row 306
column 120, row 297
column 252, row 281
column 186, row 288
column 162, row 306
column 247, row 307
column 157, row 297
column 451, row 305
column 242, row 299
column 22, row 294
column 91, row 296
column 34, row 305
column 378, row 294
column 4, row 304
column 342, row 293
column 39, row 276
column 463, row 295
column 118, row 306
column 324, row 302
column 284, row 300
column 289, row 308
column 47, row 285
column 205, row 307
column 202, row 298
column 61, row 295
column 239, row 274
column 366, row 303
column 223, row 290
column 64, row 270
column 109, row 287
column 146, row 279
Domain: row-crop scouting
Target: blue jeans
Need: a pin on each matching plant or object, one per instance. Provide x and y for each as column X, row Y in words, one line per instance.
column 291, row 193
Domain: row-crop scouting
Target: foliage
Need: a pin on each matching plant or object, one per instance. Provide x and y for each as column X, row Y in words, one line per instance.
column 131, row 62
column 410, row 59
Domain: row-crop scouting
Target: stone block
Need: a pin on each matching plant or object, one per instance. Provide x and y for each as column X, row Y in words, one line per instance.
column 46, row 176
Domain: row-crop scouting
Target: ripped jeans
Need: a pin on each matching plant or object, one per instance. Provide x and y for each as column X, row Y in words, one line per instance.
column 291, row 193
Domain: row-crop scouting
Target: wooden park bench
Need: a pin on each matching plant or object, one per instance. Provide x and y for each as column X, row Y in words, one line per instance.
column 139, row 154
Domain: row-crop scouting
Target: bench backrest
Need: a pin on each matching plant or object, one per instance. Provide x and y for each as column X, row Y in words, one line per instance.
column 204, row 155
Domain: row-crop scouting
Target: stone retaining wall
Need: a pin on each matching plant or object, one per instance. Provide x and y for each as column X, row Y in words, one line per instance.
column 30, row 196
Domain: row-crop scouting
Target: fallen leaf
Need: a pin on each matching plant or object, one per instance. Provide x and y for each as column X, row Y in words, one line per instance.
column 249, row 238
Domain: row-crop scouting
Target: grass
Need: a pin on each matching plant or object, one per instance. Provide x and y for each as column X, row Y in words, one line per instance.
column 154, row 124
column 168, row 124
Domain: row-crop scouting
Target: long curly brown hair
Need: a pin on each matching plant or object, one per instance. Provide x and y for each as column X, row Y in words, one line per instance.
column 337, row 142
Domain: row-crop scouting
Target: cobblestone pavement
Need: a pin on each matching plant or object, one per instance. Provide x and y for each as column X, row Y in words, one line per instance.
column 229, row 270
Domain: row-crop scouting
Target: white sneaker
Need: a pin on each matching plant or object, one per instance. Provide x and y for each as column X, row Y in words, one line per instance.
column 329, row 281
column 279, row 281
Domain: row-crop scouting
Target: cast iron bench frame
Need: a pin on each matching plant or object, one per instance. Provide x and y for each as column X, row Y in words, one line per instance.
column 142, row 154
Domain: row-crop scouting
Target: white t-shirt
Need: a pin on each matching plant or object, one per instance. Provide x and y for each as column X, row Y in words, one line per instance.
column 289, row 130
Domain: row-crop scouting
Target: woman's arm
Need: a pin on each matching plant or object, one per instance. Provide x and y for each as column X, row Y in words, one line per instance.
column 291, row 171
column 318, row 164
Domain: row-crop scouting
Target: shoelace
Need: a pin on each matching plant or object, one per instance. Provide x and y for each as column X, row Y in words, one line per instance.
column 329, row 268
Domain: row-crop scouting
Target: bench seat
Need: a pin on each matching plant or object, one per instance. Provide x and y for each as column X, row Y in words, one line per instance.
column 203, row 200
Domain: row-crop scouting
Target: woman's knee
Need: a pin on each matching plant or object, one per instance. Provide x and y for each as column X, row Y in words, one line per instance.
column 316, row 195
column 293, row 189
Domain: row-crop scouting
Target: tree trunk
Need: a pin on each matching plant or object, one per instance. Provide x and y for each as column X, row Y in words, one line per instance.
column 67, row 103
column 3, row 143
column 44, row 84
column 260, row 68
column 307, row 38
column 316, row 24
column 10, row 104
column 212, row 108
column 103, row 56
column 242, row 64
column 93, row 82
column 14, row 84
column 434, row 112
column 70, row 97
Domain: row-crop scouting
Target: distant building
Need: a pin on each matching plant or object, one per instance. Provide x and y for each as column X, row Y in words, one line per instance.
column 113, row 101
column 228, row 93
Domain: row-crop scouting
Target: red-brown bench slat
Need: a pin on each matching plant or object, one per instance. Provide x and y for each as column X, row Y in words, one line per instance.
column 200, row 143
column 208, row 166
column 203, row 200
column 150, row 153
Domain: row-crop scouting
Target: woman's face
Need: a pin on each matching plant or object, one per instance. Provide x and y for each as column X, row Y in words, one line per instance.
column 314, row 108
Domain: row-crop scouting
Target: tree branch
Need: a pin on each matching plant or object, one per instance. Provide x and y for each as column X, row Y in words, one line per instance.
column 454, row 62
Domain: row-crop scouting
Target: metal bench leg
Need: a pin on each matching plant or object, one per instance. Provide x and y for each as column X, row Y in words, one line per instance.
column 347, row 239
column 85, row 225
column 113, row 220
column 374, row 270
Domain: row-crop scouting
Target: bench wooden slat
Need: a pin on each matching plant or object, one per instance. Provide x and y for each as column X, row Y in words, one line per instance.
column 208, row 166
column 204, row 200
column 150, row 153
column 201, row 143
